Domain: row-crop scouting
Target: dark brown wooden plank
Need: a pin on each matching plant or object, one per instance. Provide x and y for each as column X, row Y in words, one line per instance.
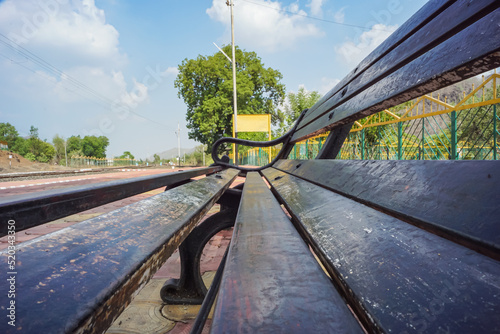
column 37, row 208
column 453, row 60
column 271, row 282
column 444, row 25
column 458, row 199
column 423, row 16
column 398, row 278
column 81, row 278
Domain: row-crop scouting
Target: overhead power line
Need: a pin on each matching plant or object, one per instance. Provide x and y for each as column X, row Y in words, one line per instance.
column 90, row 94
column 312, row 17
column 46, row 78
column 50, row 68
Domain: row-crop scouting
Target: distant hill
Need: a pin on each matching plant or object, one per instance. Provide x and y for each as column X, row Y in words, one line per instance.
column 172, row 153
column 454, row 93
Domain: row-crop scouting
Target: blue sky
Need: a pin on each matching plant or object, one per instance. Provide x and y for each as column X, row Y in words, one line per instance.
column 107, row 67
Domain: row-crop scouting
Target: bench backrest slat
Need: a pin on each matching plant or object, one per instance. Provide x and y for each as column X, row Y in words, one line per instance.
column 424, row 15
column 436, row 55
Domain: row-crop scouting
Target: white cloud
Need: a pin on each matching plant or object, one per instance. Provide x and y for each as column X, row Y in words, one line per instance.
column 316, row 9
column 77, row 30
column 170, row 71
column 339, row 16
column 262, row 24
column 327, row 84
column 138, row 94
column 74, row 38
column 352, row 53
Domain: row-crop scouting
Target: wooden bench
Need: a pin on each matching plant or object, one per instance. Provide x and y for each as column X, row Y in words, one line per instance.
column 80, row 279
column 409, row 246
column 375, row 246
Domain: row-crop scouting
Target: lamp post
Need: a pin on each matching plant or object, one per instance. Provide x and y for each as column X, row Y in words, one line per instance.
column 235, row 106
column 178, row 133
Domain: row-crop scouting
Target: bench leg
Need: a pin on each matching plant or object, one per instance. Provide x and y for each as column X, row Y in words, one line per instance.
column 189, row 288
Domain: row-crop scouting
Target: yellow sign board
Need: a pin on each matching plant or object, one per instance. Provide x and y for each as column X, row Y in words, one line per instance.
column 254, row 123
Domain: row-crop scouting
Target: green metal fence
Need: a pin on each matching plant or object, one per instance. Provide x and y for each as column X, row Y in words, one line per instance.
column 427, row 128
column 469, row 134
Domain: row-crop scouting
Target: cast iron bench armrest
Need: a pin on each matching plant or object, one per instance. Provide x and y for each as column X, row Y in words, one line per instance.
column 285, row 139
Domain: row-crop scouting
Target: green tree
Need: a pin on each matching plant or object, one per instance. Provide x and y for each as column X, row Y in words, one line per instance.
column 205, row 85
column 34, row 148
column 196, row 157
column 30, row 156
column 60, row 150
column 93, row 146
column 156, row 158
column 297, row 102
column 74, row 143
column 34, row 142
column 46, row 152
column 9, row 134
column 126, row 155
column 21, row 146
column 74, row 146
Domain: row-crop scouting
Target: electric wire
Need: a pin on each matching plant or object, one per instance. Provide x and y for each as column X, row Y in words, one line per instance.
column 48, row 67
column 93, row 95
column 99, row 103
column 313, row 17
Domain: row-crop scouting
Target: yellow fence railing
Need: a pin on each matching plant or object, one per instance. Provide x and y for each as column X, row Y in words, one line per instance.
column 427, row 128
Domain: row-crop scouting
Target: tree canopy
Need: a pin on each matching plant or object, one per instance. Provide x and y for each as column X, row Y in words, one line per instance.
column 126, row 155
column 8, row 133
column 90, row 146
column 35, row 149
column 205, row 84
column 93, row 146
column 74, row 145
column 60, row 149
column 296, row 103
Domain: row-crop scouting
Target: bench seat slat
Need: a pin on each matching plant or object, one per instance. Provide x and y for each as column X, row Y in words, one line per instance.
column 271, row 281
column 37, row 208
column 79, row 279
column 441, row 27
column 449, row 62
column 404, row 278
column 459, row 198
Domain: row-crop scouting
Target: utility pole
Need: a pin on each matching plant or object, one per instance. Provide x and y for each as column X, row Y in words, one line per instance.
column 66, row 152
column 235, row 129
column 178, row 133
